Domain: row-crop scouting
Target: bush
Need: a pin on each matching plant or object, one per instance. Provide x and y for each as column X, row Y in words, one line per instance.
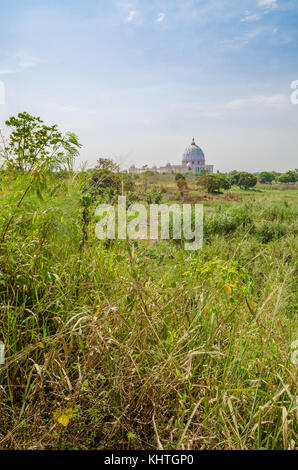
column 269, row 231
column 153, row 197
column 128, row 182
column 213, row 183
column 179, row 176
column 279, row 212
column 289, row 177
column 266, row 177
column 181, row 185
column 227, row 222
column 102, row 180
column 244, row 180
column 132, row 197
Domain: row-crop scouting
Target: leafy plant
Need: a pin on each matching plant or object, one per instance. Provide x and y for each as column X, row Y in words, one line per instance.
column 31, row 142
column 213, row 183
column 289, row 177
column 244, row 180
column 153, row 197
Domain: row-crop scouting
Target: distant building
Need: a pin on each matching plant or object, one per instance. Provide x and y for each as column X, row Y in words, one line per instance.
column 193, row 160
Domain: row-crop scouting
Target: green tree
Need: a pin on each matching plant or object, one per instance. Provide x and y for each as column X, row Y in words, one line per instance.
column 105, row 178
column 31, row 142
column 244, row 180
column 214, row 183
column 234, row 178
column 266, row 177
column 288, row 177
column 107, row 164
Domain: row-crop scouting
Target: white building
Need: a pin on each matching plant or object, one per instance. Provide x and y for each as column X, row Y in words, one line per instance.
column 193, row 160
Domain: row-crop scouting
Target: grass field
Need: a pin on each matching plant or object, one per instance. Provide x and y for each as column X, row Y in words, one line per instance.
column 138, row 345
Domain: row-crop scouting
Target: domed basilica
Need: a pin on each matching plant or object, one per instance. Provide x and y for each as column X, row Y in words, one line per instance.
column 193, row 160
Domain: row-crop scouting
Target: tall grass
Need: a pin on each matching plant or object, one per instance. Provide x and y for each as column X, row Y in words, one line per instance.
column 150, row 345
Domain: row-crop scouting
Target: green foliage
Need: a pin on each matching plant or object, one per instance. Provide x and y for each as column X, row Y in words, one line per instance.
column 280, row 212
column 266, row 177
column 132, row 197
column 289, row 177
column 244, row 180
column 128, row 182
column 107, row 164
column 213, row 183
column 268, row 231
column 86, row 200
column 105, row 180
column 32, row 142
column 225, row 222
column 179, row 176
column 153, row 197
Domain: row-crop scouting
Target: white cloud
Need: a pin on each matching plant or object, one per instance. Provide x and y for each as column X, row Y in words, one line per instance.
column 161, row 17
column 250, row 17
column 131, row 16
column 264, row 7
column 268, row 4
column 26, row 59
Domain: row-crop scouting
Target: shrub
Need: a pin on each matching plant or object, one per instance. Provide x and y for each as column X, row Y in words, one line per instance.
column 244, row 180
column 279, row 212
column 132, row 197
column 179, row 176
column 182, row 186
column 226, row 222
column 153, row 197
column 213, row 183
column 128, row 182
column 102, row 180
column 266, row 177
column 289, row 177
column 269, row 231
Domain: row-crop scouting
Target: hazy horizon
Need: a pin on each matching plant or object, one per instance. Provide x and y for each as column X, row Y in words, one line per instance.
column 136, row 80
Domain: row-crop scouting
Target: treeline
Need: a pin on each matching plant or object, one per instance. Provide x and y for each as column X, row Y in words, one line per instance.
column 244, row 180
column 33, row 147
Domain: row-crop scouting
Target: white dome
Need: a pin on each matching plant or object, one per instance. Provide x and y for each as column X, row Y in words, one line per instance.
column 193, row 153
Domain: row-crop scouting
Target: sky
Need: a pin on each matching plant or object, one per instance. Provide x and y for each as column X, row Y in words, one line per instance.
column 137, row 79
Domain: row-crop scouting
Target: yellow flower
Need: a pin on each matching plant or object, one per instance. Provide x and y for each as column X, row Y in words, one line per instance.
column 229, row 288
column 63, row 416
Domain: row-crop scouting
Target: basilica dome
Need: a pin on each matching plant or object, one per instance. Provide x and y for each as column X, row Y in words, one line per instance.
column 193, row 154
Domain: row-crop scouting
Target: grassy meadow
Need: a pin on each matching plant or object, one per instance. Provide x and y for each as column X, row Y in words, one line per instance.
column 143, row 345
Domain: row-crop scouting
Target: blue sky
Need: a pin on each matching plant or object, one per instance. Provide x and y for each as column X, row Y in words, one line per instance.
column 136, row 79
